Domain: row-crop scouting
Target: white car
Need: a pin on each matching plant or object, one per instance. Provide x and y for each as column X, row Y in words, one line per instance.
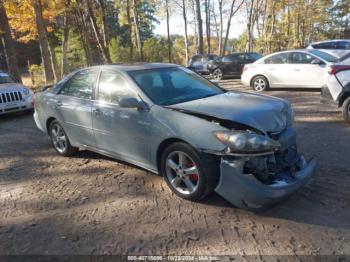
column 337, row 88
column 307, row 68
column 337, row 48
column 14, row 96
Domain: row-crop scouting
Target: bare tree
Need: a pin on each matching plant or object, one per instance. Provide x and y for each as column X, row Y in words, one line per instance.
column 66, row 24
column 137, row 28
column 207, row 24
column 43, row 42
column 101, row 44
column 11, row 58
column 185, row 25
column 220, row 51
column 233, row 10
column 168, row 30
column 200, row 27
column 131, row 46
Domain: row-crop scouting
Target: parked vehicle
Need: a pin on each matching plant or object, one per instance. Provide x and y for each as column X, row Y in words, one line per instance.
column 199, row 63
column 337, row 48
column 231, row 65
column 336, row 91
column 14, row 96
column 308, row 68
column 169, row 120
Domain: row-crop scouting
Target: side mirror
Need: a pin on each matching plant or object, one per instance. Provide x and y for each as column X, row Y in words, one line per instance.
column 316, row 62
column 129, row 102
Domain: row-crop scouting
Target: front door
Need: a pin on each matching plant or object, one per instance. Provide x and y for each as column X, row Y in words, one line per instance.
column 306, row 74
column 73, row 106
column 123, row 132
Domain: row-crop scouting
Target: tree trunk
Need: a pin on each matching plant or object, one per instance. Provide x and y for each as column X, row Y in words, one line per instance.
column 168, row 30
column 103, row 49
column 221, row 29
column 232, row 13
column 11, row 58
column 137, row 30
column 104, row 23
column 131, row 47
column 200, row 27
column 207, row 22
column 186, row 35
column 44, row 43
column 64, row 61
column 78, row 16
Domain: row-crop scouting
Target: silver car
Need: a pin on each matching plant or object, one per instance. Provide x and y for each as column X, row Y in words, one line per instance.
column 337, row 48
column 171, row 121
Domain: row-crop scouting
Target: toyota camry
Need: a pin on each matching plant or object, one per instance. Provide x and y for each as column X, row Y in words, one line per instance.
column 169, row 120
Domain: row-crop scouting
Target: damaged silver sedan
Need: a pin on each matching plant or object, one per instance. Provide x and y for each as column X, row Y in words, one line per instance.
column 169, row 120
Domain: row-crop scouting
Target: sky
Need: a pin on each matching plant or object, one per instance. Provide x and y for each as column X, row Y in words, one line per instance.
column 238, row 26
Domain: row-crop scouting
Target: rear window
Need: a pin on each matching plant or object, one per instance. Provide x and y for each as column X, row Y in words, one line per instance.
column 325, row 45
column 343, row 45
column 324, row 56
column 278, row 59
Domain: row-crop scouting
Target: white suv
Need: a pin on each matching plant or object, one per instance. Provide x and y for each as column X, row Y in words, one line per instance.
column 14, row 96
column 337, row 48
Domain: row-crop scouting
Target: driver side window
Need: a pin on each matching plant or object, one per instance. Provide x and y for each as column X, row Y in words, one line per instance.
column 302, row 58
column 112, row 87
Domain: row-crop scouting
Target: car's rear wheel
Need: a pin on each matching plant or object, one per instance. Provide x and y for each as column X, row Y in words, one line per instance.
column 260, row 83
column 218, row 74
column 346, row 109
column 188, row 174
column 59, row 139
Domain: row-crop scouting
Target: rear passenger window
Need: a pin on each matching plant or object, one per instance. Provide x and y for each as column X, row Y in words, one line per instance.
column 326, row 45
column 277, row 59
column 343, row 45
column 81, row 84
column 112, row 87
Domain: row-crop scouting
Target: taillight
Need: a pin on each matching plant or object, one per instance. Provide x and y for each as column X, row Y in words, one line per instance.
column 33, row 102
column 245, row 68
column 338, row 68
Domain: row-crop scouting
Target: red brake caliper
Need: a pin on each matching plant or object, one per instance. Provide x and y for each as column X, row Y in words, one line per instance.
column 193, row 177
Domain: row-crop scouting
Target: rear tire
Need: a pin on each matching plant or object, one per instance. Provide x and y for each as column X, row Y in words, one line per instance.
column 59, row 140
column 346, row 110
column 260, row 84
column 178, row 175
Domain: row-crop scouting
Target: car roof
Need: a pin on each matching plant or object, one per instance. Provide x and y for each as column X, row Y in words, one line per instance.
column 329, row 41
column 133, row 66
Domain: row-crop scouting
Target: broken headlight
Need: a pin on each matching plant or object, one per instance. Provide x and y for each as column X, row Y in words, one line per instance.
column 240, row 142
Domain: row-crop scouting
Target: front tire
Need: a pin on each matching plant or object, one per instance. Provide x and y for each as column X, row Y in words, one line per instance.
column 59, row 140
column 218, row 74
column 188, row 174
column 260, row 84
column 346, row 110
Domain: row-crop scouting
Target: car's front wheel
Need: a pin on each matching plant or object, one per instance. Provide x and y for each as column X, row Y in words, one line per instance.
column 218, row 74
column 59, row 139
column 188, row 174
column 346, row 109
column 260, row 83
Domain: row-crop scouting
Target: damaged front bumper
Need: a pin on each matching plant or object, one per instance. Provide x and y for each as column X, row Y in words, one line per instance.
column 244, row 188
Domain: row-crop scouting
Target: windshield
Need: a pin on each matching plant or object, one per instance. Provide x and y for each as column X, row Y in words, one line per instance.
column 324, row 56
column 168, row 86
column 5, row 78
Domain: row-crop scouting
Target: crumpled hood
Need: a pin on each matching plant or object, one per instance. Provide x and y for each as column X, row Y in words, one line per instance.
column 265, row 113
column 11, row 87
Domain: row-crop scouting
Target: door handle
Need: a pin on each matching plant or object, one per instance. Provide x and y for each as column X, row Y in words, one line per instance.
column 296, row 69
column 97, row 112
column 58, row 103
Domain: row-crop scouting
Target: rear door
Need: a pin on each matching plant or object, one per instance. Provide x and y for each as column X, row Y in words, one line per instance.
column 73, row 106
column 229, row 64
column 278, row 70
column 306, row 74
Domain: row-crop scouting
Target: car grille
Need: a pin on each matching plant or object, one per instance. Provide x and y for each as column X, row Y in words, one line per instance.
column 10, row 97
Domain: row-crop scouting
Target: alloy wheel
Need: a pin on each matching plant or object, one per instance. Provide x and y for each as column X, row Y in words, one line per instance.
column 259, row 84
column 182, row 172
column 217, row 74
column 59, row 138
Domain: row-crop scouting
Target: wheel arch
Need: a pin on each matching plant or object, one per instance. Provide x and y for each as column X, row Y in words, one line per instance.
column 48, row 122
column 254, row 76
column 164, row 144
column 343, row 98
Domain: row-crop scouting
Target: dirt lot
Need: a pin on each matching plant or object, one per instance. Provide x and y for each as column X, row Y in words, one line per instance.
column 90, row 204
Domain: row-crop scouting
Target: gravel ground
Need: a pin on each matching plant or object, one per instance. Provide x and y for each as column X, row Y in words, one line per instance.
column 91, row 204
